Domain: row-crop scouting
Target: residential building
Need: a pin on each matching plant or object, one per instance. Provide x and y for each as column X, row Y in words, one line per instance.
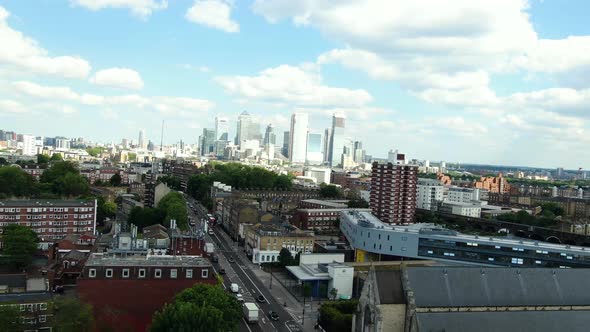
column 319, row 220
column 298, row 137
column 154, row 192
column 497, row 184
column 461, row 209
column 462, row 195
column 314, row 154
column 104, row 174
column 52, row 220
column 456, row 298
column 126, row 290
column 373, row 239
column 393, row 192
column 35, row 170
column 336, row 140
column 264, row 241
column 430, row 193
column 323, row 204
column 29, row 145
column 237, row 212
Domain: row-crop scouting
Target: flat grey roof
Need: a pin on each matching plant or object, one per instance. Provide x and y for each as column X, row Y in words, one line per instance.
column 326, row 203
column 149, row 260
column 513, row 321
column 481, row 287
column 44, row 203
column 305, row 275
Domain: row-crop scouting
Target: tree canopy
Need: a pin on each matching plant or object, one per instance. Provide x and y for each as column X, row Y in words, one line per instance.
column 56, row 157
column 42, row 159
column 329, row 191
column 115, row 180
column 10, row 319
column 171, row 206
column 358, row 204
column 14, row 182
column 199, row 308
column 94, row 152
column 336, row 316
column 65, row 179
column 72, row 315
column 20, row 244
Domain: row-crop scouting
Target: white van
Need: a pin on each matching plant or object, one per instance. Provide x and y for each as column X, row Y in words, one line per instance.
column 234, row 288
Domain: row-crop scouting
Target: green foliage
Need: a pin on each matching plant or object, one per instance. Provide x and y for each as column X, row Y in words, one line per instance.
column 358, row 204
column 10, row 319
column 551, row 209
column 337, row 315
column 132, row 156
column 171, row 181
column 523, row 217
column 286, row 258
column 329, row 191
column 94, row 152
column 115, row 180
column 3, row 161
column 174, row 205
column 72, row 315
column 42, row 159
column 20, row 244
column 56, row 157
column 143, row 217
column 16, row 182
column 109, row 208
column 65, row 179
column 199, row 308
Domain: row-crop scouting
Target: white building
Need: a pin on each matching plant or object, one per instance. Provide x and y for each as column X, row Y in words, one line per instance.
column 142, row 142
column 462, row 195
column 327, row 269
column 461, row 209
column 321, row 175
column 396, row 158
column 430, row 193
column 221, row 128
column 298, row 137
column 314, row 155
column 336, row 140
column 29, row 145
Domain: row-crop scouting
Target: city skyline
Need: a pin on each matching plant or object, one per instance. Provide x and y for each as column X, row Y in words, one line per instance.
column 495, row 95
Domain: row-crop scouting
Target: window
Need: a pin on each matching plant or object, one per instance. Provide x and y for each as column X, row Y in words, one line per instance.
column 125, row 273
column 42, row 318
column 158, row 273
column 173, row 273
column 204, row 273
column 142, row 273
column 189, row 273
column 109, row 273
column 92, row 273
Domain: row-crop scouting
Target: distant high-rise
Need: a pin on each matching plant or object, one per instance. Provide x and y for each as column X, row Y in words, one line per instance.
column 337, row 140
column 359, row 153
column 29, row 145
column 141, row 142
column 221, row 128
column 315, row 156
column 207, row 142
column 285, row 149
column 327, row 145
column 243, row 128
column 393, row 192
column 298, row 137
column 269, row 136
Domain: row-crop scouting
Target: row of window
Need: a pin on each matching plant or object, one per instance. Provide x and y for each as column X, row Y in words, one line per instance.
column 17, row 210
column 141, row 273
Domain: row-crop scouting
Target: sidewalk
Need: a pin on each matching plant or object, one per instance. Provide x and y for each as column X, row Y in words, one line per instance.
column 282, row 295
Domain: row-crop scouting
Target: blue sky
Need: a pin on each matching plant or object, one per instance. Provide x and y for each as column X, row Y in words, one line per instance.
column 500, row 82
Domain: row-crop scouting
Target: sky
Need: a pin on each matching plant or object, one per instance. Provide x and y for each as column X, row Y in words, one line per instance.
column 491, row 82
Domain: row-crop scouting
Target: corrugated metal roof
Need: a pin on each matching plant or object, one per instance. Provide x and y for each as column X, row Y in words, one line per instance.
column 475, row 286
column 513, row 321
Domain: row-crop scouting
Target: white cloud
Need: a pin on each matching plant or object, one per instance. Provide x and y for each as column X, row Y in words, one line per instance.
column 44, row 92
column 293, row 85
column 25, row 53
column 118, row 77
column 140, row 8
column 214, row 14
column 556, row 55
column 11, row 106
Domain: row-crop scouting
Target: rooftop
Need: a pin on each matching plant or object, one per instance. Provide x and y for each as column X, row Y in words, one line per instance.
column 334, row 204
column 44, row 203
column 99, row 259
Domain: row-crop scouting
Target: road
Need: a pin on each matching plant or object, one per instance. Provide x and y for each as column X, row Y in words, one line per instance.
column 240, row 273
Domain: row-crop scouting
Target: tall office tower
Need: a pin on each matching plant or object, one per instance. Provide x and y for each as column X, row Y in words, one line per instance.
column 393, row 192
column 29, row 147
column 298, row 137
column 285, row 149
column 315, row 156
column 141, row 142
column 254, row 131
column 243, row 130
column 337, row 140
column 207, row 142
column 327, row 144
column 221, row 128
column 269, row 136
column 359, row 153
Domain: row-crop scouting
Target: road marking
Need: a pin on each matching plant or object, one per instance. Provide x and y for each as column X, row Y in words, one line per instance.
column 287, row 325
column 249, row 329
column 253, row 284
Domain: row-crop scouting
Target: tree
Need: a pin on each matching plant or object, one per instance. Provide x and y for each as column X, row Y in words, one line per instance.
column 199, row 308
column 329, row 191
column 285, row 257
column 72, row 315
column 109, row 209
column 357, row 204
column 42, row 159
column 71, row 185
column 20, row 244
column 333, row 293
column 337, row 315
column 132, row 156
column 10, row 319
column 94, row 152
column 3, row 161
column 14, row 182
column 57, row 157
column 115, row 180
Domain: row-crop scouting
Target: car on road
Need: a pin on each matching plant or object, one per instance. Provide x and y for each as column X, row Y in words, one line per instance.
column 214, row 259
column 261, row 299
column 231, row 259
column 234, row 288
column 210, row 232
column 273, row 315
column 240, row 298
column 221, row 271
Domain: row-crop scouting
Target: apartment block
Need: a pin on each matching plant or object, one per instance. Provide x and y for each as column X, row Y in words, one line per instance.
column 393, row 192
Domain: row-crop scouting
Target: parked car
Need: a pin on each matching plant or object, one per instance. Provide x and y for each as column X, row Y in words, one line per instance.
column 240, row 298
column 231, row 259
column 273, row 315
column 261, row 299
column 221, row 271
column 234, row 288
